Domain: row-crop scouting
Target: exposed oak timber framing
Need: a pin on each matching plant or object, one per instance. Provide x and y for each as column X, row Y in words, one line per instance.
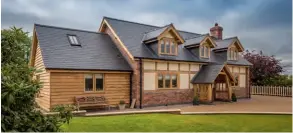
column 209, row 41
column 86, row 71
column 174, row 61
column 239, row 45
column 102, row 26
column 174, row 31
column 33, row 48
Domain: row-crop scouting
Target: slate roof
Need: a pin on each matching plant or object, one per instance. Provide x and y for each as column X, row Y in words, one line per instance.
column 97, row 50
column 132, row 34
column 194, row 41
column 154, row 33
column 225, row 43
column 207, row 73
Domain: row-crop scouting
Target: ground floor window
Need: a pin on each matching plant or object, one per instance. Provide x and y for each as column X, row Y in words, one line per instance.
column 167, row 81
column 236, row 76
column 94, row 82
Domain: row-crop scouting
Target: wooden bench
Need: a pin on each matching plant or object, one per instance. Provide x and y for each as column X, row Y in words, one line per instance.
column 90, row 101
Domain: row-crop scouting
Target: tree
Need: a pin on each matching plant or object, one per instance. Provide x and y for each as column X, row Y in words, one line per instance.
column 264, row 67
column 18, row 107
column 281, row 80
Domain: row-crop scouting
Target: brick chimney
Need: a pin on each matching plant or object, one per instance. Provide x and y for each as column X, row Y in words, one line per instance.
column 217, row 31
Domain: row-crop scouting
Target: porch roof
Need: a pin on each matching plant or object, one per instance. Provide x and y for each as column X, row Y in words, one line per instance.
column 208, row 73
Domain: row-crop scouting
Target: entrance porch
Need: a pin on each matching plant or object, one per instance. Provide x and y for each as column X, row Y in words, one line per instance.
column 213, row 83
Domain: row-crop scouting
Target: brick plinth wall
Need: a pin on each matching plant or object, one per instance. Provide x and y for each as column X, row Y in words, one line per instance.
column 167, row 97
column 241, row 92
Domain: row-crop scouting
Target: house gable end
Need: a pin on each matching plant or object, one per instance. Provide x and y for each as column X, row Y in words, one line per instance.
column 173, row 33
column 105, row 27
column 237, row 44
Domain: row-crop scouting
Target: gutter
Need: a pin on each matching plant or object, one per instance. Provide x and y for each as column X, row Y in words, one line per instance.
column 172, row 60
column 140, row 83
column 75, row 69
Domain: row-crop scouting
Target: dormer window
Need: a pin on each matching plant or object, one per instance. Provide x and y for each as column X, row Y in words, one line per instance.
column 167, row 46
column 73, row 40
column 232, row 53
column 205, row 51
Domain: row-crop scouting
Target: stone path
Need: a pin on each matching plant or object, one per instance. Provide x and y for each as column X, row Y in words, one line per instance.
column 255, row 104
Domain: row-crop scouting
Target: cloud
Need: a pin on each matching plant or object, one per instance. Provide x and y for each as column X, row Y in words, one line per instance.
column 260, row 24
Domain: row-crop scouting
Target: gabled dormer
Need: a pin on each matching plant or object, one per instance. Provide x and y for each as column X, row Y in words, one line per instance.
column 234, row 49
column 230, row 45
column 167, row 39
column 201, row 45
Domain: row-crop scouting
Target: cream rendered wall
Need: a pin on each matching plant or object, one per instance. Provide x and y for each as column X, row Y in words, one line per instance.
column 149, row 81
column 235, row 69
column 173, row 66
column 168, row 35
column 184, row 81
column 190, row 78
column 242, row 69
column 194, row 67
column 242, row 80
column 162, row 66
column 149, row 65
column 184, row 67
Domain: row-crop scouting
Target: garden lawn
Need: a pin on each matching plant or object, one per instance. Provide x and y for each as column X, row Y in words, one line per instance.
column 181, row 123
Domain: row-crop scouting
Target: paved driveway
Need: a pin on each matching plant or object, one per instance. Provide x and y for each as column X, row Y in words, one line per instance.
column 255, row 104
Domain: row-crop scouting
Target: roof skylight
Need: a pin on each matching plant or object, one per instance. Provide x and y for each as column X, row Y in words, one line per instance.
column 73, row 40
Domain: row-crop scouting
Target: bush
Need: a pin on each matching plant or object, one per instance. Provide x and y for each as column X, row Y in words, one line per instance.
column 122, row 102
column 234, row 98
column 195, row 100
column 19, row 89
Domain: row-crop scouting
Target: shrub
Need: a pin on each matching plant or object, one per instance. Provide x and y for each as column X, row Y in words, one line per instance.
column 195, row 100
column 122, row 102
column 19, row 89
column 234, row 98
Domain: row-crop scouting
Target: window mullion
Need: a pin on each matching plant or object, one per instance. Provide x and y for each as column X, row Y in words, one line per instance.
column 94, row 82
column 163, row 80
column 170, row 80
column 165, row 46
column 171, row 43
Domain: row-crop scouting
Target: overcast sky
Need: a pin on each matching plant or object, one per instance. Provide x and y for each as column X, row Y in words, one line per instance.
column 259, row 24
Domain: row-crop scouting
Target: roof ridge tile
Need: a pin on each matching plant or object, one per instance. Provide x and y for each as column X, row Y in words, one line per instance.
column 157, row 28
column 57, row 27
column 131, row 22
column 230, row 38
column 200, row 35
column 147, row 24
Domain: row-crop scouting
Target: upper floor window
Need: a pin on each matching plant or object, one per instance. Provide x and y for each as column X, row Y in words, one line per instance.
column 167, row 46
column 232, row 54
column 205, row 51
column 73, row 40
